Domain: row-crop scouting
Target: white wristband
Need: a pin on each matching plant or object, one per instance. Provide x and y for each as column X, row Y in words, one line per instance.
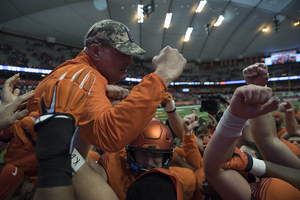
column 77, row 160
column 258, row 168
column 170, row 107
column 230, row 126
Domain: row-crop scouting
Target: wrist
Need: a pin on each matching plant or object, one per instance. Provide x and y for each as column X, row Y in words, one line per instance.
column 169, row 107
column 164, row 77
column 258, row 168
column 230, row 126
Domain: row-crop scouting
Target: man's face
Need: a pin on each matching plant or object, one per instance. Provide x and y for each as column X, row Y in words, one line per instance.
column 193, row 111
column 148, row 160
column 24, row 191
column 202, row 136
column 295, row 140
column 113, row 64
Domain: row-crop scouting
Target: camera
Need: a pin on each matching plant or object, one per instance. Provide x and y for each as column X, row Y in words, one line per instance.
column 211, row 103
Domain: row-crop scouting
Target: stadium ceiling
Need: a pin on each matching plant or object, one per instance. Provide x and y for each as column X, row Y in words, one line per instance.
column 240, row 35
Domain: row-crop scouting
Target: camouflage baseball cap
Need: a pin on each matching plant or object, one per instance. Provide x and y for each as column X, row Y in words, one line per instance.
column 116, row 34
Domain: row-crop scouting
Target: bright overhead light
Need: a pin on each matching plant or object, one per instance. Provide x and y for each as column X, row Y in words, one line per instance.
column 188, row 34
column 219, row 21
column 140, row 12
column 168, row 20
column 264, row 30
column 201, row 6
column 296, row 24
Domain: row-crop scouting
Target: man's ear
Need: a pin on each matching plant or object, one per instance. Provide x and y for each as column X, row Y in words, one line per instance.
column 94, row 52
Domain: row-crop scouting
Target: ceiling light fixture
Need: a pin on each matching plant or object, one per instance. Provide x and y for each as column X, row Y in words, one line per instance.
column 201, row 6
column 264, row 30
column 219, row 21
column 276, row 24
column 188, row 34
column 168, row 20
column 296, row 24
column 206, row 26
column 140, row 13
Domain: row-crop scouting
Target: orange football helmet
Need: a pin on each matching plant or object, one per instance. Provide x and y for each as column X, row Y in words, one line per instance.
column 155, row 138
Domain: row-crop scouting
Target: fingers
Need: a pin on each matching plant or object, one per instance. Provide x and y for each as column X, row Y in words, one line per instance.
column 256, row 69
column 286, row 107
column 256, row 95
column 116, row 92
column 20, row 115
column 190, row 121
column 12, row 80
column 20, row 100
column 266, row 108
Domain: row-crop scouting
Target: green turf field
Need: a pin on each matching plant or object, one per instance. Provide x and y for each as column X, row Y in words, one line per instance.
column 186, row 110
column 182, row 110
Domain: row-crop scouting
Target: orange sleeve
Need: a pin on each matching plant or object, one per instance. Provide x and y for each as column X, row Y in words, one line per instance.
column 294, row 148
column 192, row 154
column 188, row 180
column 179, row 151
column 93, row 155
column 112, row 128
column 7, row 134
column 174, row 155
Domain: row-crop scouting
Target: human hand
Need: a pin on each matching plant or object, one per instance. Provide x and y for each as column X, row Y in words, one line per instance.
column 169, row 64
column 256, row 74
column 116, row 92
column 286, row 107
column 7, row 94
column 189, row 123
column 251, row 101
column 7, row 113
column 212, row 123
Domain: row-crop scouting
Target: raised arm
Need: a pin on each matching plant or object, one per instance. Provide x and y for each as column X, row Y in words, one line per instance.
column 247, row 102
column 175, row 119
column 263, row 128
column 290, row 121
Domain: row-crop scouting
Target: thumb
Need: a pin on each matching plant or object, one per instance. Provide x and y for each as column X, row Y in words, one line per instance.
column 273, row 105
column 21, row 114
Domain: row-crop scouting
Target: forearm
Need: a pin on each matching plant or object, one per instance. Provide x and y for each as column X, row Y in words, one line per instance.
column 179, row 162
column 192, row 154
column 272, row 149
column 88, row 184
column 228, row 183
column 287, row 174
column 218, row 150
column 112, row 128
column 57, row 193
column 291, row 124
column 176, row 123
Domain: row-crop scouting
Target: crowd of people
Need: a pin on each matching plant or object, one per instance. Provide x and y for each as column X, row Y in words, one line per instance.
column 31, row 55
column 50, row 134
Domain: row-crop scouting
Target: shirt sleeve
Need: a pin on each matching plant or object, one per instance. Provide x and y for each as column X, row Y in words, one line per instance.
column 192, row 154
column 112, row 128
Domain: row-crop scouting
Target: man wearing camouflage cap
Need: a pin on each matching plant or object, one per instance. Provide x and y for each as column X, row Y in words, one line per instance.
column 108, row 47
